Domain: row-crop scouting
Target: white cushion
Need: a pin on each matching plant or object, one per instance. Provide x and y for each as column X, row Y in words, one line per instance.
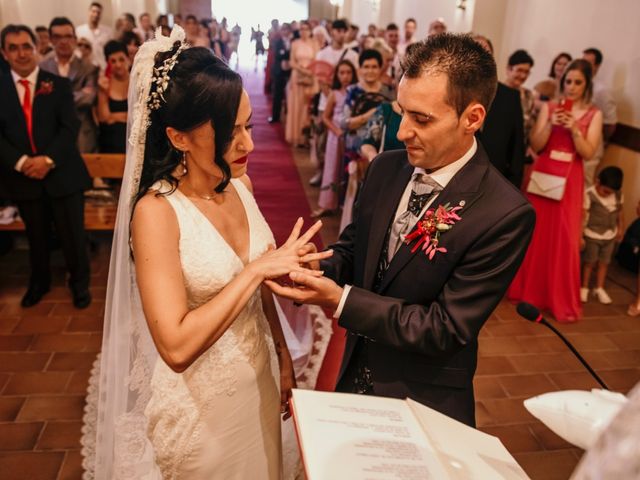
column 578, row 416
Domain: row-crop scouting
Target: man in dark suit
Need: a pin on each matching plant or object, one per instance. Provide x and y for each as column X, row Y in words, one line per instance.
column 280, row 71
column 41, row 168
column 82, row 74
column 413, row 315
column 502, row 134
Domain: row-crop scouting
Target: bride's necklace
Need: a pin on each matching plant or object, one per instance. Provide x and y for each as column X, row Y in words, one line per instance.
column 208, row 197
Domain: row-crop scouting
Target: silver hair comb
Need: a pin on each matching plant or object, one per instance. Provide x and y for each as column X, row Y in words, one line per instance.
column 161, row 79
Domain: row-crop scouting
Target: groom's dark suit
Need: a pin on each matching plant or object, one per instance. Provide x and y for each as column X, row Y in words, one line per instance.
column 421, row 323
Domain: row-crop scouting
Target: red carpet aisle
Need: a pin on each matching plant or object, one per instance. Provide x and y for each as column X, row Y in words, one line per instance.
column 282, row 200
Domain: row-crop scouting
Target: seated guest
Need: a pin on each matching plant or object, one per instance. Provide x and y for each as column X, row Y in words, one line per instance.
column 549, row 89
column 82, row 74
column 112, row 99
column 41, row 167
column 502, row 134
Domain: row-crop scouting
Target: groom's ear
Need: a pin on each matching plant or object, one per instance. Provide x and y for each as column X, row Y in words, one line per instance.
column 177, row 138
column 473, row 117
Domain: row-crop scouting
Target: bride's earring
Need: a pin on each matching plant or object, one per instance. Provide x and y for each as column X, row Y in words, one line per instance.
column 184, row 163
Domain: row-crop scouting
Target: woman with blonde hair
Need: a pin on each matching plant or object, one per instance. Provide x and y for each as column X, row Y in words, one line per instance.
column 301, row 86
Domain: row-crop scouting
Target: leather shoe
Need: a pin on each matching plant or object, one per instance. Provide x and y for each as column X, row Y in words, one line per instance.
column 81, row 298
column 34, row 295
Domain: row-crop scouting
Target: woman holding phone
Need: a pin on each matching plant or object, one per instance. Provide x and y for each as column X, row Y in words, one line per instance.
column 564, row 133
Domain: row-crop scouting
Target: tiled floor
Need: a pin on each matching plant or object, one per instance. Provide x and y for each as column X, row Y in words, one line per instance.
column 46, row 353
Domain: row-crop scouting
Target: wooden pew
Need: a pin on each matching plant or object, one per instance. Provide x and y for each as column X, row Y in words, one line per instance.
column 98, row 216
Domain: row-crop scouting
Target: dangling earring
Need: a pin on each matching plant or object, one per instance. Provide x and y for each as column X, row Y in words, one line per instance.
column 184, row 163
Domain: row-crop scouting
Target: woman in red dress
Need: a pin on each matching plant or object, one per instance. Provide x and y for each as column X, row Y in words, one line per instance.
column 565, row 133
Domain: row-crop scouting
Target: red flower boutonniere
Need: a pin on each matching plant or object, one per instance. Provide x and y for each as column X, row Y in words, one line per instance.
column 431, row 226
column 45, row 88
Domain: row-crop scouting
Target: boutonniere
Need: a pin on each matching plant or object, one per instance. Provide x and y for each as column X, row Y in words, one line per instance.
column 429, row 228
column 45, row 87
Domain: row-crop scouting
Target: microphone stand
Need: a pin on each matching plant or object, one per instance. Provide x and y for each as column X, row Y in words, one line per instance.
column 575, row 352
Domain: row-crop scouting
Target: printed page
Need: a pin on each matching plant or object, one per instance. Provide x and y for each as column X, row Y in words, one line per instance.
column 464, row 452
column 358, row 437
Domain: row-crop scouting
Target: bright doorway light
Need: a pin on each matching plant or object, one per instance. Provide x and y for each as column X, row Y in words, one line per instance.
column 251, row 13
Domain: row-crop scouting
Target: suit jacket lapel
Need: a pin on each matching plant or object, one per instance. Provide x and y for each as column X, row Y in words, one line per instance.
column 14, row 100
column 464, row 188
column 386, row 206
column 74, row 65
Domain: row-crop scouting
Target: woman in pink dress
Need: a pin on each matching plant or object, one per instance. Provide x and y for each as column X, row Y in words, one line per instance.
column 565, row 133
column 345, row 75
column 301, row 86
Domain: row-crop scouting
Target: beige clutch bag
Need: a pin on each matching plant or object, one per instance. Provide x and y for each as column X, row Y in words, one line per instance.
column 546, row 185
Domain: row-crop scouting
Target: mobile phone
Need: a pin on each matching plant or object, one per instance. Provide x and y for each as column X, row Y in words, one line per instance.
column 566, row 104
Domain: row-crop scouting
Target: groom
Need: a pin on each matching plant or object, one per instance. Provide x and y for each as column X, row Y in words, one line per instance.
column 413, row 315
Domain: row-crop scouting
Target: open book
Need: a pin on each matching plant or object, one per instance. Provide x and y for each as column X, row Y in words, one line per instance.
column 358, row 437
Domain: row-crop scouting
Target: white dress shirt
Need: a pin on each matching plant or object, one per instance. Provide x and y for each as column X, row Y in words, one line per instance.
column 442, row 177
column 63, row 68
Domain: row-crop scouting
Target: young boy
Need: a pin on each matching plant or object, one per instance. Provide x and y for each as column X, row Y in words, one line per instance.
column 603, row 226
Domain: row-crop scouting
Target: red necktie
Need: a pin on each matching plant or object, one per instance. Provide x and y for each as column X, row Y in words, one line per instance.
column 27, row 110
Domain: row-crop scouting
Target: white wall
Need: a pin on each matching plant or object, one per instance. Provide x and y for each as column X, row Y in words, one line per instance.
column 364, row 12
column 573, row 25
column 40, row 12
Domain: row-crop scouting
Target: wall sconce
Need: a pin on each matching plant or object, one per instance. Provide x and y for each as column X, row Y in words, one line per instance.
column 461, row 4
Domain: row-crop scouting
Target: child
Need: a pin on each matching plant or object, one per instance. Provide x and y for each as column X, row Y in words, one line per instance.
column 345, row 75
column 603, row 226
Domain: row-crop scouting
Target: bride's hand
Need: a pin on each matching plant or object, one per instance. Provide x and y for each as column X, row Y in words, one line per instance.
column 287, row 382
column 286, row 259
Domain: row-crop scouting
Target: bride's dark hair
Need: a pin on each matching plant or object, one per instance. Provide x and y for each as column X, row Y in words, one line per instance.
column 201, row 88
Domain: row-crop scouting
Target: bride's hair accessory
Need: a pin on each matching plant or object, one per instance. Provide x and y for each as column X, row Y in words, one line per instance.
column 161, row 78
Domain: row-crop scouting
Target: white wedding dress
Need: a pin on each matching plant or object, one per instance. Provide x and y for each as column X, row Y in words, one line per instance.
column 219, row 419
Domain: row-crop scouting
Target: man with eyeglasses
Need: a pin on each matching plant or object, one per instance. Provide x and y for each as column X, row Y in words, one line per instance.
column 41, row 169
column 82, row 74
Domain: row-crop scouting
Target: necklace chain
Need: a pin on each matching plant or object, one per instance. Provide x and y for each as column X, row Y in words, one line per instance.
column 209, row 197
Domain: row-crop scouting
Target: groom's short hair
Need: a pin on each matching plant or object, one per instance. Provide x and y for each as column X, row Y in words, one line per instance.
column 470, row 69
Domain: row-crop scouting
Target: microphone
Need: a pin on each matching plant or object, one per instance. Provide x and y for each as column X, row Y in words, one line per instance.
column 531, row 313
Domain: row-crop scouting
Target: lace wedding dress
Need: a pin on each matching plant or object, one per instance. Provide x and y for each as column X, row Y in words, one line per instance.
column 219, row 418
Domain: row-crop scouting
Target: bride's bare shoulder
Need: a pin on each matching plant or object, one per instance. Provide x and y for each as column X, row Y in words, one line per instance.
column 152, row 213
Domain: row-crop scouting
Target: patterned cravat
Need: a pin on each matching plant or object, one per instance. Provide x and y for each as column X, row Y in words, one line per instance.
column 422, row 190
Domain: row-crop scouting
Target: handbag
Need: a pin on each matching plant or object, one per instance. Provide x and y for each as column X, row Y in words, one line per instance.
column 547, row 185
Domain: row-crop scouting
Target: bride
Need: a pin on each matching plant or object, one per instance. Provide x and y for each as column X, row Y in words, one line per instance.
column 194, row 369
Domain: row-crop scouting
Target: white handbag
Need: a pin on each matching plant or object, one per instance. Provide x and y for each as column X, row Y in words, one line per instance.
column 546, row 185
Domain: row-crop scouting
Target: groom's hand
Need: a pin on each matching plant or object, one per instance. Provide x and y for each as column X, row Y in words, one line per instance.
column 320, row 291
column 306, row 249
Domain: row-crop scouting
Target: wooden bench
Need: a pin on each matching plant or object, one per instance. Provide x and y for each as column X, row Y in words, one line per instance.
column 98, row 216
